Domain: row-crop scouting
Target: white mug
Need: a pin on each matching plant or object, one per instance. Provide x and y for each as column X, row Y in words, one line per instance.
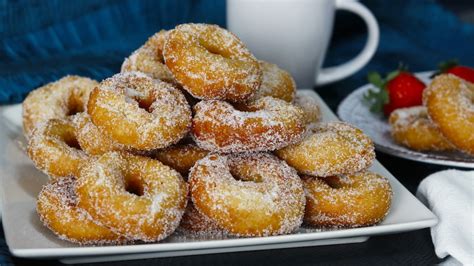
column 294, row 34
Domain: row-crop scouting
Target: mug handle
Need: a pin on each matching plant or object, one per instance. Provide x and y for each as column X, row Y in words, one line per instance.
column 335, row 73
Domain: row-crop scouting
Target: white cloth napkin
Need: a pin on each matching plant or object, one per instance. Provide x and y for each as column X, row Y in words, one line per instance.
column 450, row 195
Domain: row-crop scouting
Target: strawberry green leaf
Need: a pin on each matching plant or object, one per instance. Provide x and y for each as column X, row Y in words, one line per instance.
column 376, row 99
column 375, row 79
column 445, row 66
column 392, row 75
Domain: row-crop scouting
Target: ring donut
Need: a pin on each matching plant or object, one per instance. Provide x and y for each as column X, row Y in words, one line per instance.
column 195, row 222
column 248, row 194
column 149, row 59
column 450, row 104
column 57, row 209
column 333, row 148
column 311, row 111
column 267, row 124
column 181, row 156
column 211, row 63
column 355, row 200
column 90, row 139
column 276, row 83
column 134, row 196
column 54, row 149
column 412, row 128
column 59, row 99
column 139, row 112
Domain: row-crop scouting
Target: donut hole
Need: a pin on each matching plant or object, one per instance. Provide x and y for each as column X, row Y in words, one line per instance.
column 73, row 143
column 134, row 186
column 337, row 182
column 74, row 107
column 245, row 174
column 214, row 49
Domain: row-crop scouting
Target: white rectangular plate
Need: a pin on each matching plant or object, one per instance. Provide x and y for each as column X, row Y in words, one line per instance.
column 27, row 237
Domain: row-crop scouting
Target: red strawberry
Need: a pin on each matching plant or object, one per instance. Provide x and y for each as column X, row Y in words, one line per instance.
column 399, row 89
column 453, row 67
column 463, row 72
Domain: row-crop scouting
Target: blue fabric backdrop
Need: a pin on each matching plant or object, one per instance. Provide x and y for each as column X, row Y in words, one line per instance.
column 41, row 41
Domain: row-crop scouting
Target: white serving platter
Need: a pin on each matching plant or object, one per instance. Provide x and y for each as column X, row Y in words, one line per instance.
column 353, row 110
column 28, row 238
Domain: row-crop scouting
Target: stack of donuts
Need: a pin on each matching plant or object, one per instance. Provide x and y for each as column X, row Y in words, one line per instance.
column 445, row 121
column 198, row 135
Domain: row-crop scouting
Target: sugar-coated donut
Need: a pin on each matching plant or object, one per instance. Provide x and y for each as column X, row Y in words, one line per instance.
column 355, row 200
column 181, row 156
column 139, row 112
column 149, row 59
column 310, row 107
column 58, row 99
column 54, row 149
column 248, row 194
column 450, row 104
column 276, row 83
column 195, row 222
column 137, row 197
column 266, row 124
column 57, row 209
column 412, row 128
column 90, row 139
column 211, row 63
column 332, row 148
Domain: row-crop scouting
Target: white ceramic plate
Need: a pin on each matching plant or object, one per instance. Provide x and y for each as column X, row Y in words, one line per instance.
column 353, row 110
column 27, row 237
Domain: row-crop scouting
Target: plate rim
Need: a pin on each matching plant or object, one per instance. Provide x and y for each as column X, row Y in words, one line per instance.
column 411, row 154
column 74, row 251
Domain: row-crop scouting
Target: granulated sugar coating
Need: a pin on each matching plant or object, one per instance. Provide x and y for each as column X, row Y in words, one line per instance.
column 90, row 139
column 412, row 127
column 211, row 63
column 194, row 222
column 149, row 59
column 311, row 111
column 450, row 104
column 139, row 112
column 332, row 148
column 181, row 156
column 135, row 196
column 276, row 83
column 355, row 200
column 248, row 194
column 53, row 148
column 58, row 99
column 58, row 210
column 268, row 124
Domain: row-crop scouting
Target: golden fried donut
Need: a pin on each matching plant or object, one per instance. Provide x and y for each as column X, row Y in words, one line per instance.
column 134, row 196
column 58, row 99
column 412, row 128
column 139, row 112
column 310, row 107
column 356, row 200
column 57, row 209
column 149, row 59
column 276, row 83
column 181, row 156
column 54, row 149
column 248, row 194
column 450, row 104
column 195, row 222
column 211, row 63
column 266, row 124
column 332, row 148
column 90, row 139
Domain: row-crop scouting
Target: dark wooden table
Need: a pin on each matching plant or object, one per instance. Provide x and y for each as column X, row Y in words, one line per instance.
column 410, row 248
